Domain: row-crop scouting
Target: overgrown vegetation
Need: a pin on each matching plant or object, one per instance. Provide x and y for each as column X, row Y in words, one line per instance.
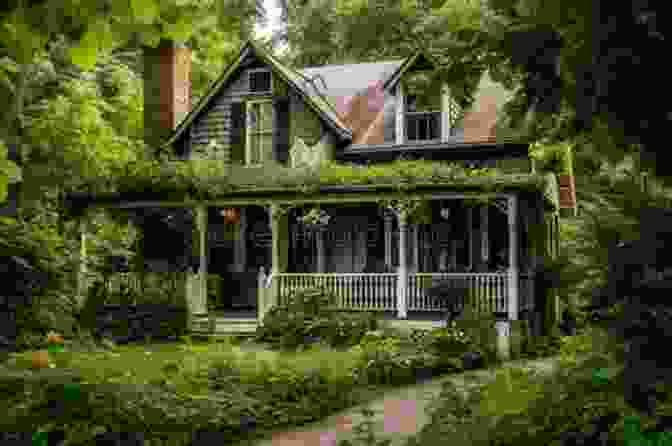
column 201, row 179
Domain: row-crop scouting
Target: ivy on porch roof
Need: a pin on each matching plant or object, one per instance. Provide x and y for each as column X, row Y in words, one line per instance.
column 203, row 180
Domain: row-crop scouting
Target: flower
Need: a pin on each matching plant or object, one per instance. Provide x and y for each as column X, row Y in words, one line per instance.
column 54, row 338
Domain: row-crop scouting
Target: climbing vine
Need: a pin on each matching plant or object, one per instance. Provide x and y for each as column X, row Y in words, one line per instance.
column 201, row 179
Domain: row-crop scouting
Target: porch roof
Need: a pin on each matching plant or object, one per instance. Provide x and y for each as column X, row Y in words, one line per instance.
column 170, row 186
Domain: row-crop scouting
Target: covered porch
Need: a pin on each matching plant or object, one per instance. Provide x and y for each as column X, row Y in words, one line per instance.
column 375, row 253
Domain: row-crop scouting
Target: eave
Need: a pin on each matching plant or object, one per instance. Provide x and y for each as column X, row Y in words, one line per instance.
column 441, row 150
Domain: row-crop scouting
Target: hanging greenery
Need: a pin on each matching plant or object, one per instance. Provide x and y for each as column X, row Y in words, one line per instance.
column 315, row 218
column 555, row 158
column 201, row 180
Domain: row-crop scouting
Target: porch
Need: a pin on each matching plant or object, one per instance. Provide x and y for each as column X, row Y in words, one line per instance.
column 371, row 257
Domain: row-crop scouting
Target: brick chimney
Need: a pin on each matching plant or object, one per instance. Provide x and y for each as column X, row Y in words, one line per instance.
column 167, row 89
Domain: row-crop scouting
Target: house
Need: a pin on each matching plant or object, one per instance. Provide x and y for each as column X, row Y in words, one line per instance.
column 262, row 118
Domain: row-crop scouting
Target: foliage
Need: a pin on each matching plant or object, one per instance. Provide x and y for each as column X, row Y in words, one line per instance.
column 553, row 157
column 390, row 357
column 306, row 316
column 365, row 432
column 200, row 179
column 10, row 173
column 450, row 341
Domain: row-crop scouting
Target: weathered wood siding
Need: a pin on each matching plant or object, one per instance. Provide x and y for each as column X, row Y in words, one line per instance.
column 216, row 123
column 304, row 122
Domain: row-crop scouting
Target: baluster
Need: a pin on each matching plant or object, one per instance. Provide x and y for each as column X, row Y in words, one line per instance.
column 351, row 296
column 369, row 291
column 373, row 287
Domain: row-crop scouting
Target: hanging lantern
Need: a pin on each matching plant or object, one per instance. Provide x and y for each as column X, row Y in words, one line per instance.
column 231, row 215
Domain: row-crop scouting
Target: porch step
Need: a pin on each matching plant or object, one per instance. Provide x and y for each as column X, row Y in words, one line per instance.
column 224, row 326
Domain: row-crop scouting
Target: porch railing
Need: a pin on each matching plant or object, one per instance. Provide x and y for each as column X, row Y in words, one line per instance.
column 354, row 291
column 169, row 284
column 487, row 292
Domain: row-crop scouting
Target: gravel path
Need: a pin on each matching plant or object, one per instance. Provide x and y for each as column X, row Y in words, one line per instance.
column 398, row 415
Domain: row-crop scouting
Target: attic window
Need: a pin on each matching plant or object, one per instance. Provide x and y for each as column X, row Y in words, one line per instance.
column 260, row 81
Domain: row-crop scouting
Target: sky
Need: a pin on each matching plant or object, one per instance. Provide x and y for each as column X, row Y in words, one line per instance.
column 274, row 12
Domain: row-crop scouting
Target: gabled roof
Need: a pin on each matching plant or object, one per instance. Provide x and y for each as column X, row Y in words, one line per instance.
column 312, row 96
column 420, row 59
column 349, row 80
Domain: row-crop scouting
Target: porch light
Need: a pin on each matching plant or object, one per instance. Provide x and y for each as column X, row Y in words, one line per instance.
column 445, row 213
column 231, row 215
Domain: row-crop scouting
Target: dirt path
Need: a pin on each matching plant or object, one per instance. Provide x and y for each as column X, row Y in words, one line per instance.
column 398, row 415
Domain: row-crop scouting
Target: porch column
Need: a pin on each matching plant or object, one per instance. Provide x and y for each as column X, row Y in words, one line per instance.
column 321, row 254
column 485, row 245
column 415, row 251
column 388, row 240
column 279, row 251
column 503, row 327
column 201, row 306
column 402, row 273
column 512, row 205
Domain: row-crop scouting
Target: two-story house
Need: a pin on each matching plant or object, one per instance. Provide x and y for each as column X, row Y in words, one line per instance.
column 261, row 116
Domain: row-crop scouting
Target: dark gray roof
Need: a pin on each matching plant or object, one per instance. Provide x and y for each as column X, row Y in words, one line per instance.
column 348, row 80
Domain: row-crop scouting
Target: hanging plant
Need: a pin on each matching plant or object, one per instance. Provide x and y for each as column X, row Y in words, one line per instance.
column 315, row 218
column 231, row 215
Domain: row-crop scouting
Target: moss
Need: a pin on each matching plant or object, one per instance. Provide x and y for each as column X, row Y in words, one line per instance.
column 210, row 179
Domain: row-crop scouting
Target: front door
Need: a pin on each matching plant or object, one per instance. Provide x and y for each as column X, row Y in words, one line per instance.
column 258, row 254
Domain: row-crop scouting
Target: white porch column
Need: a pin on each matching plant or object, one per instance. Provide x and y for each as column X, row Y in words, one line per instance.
column 512, row 207
column 402, row 272
column 279, row 251
column 415, row 228
column 388, row 240
column 202, row 304
column 321, row 254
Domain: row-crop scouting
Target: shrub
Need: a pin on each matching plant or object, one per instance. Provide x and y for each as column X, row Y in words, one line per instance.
column 451, row 341
column 306, row 317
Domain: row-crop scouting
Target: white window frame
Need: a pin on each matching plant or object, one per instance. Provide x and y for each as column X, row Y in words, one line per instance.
column 248, row 128
column 258, row 70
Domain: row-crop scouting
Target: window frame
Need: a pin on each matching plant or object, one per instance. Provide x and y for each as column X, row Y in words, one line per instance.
column 252, row 71
column 249, row 133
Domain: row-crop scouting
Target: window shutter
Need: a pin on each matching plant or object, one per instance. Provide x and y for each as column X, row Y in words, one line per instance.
column 281, row 130
column 237, row 132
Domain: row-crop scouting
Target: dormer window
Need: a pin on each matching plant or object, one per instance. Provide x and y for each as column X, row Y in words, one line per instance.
column 260, row 81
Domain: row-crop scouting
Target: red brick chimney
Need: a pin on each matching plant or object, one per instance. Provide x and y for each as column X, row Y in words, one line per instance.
column 167, row 89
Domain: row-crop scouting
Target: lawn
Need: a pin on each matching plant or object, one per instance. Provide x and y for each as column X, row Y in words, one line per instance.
column 179, row 364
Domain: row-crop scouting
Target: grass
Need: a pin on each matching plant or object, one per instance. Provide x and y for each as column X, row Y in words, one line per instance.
column 179, row 363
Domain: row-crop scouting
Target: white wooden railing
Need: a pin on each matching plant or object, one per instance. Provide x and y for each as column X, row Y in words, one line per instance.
column 488, row 291
column 354, row 291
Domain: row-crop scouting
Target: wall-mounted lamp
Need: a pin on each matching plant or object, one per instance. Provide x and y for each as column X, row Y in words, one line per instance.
column 445, row 213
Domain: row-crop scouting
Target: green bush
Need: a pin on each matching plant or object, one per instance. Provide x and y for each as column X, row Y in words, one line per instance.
column 450, row 341
column 307, row 317
column 520, row 407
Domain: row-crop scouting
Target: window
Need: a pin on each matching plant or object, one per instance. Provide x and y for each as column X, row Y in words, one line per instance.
column 259, row 147
column 260, row 81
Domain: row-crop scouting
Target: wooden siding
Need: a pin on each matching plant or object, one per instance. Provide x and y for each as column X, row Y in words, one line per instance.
column 304, row 123
column 216, row 123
